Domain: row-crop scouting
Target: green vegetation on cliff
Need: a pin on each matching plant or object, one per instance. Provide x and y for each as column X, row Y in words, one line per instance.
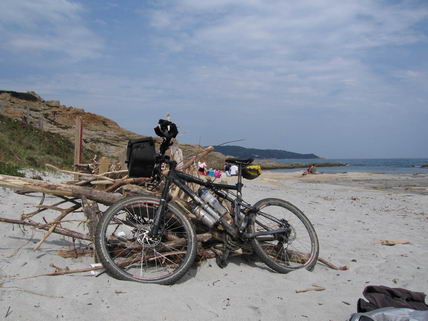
column 22, row 145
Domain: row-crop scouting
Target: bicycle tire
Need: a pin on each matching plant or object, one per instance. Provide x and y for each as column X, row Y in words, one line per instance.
column 282, row 252
column 128, row 253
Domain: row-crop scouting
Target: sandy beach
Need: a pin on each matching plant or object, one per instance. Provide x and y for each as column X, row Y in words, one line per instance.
column 351, row 213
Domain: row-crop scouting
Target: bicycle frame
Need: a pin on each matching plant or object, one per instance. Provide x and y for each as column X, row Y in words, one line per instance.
column 238, row 205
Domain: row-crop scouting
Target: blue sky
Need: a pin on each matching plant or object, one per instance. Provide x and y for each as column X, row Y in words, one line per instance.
column 341, row 79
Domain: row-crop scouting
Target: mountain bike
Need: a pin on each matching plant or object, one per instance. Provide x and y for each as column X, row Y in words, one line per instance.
column 150, row 239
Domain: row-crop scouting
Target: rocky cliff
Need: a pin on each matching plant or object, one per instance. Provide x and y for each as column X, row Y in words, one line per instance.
column 101, row 135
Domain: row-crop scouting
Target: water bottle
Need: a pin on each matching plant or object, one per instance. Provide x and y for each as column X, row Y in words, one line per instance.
column 208, row 197
column 209, row 219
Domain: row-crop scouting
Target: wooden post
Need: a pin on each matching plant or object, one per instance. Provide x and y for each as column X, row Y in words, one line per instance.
column 78, row 143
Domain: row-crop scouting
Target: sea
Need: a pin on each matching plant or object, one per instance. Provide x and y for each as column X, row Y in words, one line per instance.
column 371, row 165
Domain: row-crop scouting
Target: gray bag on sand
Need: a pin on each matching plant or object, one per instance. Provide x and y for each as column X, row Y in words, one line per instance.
column 391, row 314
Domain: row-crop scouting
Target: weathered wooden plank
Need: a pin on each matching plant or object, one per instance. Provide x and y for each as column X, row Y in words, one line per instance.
column 106, row 198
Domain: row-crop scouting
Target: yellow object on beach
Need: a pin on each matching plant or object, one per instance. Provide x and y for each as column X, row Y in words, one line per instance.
column 251, row 171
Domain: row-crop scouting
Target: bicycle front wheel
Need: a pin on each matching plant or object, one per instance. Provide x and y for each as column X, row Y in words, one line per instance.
column 128, row 252
column 288, row 240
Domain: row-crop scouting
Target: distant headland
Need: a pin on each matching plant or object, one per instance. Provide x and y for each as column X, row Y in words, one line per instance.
column 242, row 152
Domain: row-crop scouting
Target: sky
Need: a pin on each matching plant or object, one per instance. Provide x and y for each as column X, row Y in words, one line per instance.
column 341, row 79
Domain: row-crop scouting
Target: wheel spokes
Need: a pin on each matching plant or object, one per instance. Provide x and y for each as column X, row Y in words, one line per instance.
column 129, row 242
column 291, row 249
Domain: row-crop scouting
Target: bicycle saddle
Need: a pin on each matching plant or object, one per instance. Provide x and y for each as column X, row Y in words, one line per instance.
column 238, row 161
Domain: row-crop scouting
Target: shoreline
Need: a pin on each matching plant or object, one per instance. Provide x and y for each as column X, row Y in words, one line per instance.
column 399, row 165
column 276, row 165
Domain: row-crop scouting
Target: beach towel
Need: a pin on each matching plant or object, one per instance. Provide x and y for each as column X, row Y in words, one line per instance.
column 217, row 174
column 379, row 296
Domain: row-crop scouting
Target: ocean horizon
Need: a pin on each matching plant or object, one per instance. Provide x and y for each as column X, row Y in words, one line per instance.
column 371, row 165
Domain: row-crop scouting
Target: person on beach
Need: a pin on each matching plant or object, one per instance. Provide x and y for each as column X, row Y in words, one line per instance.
column 202, row 167
column 227, row 168
column 231, row 170
column 310, row 170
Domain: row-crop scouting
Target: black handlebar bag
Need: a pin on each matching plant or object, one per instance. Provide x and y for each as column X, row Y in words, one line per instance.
column 140, row 157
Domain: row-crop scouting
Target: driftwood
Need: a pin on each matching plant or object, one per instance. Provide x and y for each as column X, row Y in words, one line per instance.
column 60, row 189
column 57, row 230
column 333, row 266
column 85, row 175
column 92, row 213
column 76, row 252
column 55, row 223
column 393, row 242
column 85, row 195
column 42, row 208
column 197, row 157
column 314, row 288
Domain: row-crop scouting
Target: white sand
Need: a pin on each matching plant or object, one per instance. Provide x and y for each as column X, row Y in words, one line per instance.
column 351, row 213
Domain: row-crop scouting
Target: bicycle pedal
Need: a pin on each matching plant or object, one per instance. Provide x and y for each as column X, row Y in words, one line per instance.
column 221, row 262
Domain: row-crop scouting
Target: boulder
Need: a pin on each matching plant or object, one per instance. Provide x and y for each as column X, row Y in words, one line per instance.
column 53, row 103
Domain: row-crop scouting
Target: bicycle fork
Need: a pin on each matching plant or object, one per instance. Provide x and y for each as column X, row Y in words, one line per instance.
column 160, row 211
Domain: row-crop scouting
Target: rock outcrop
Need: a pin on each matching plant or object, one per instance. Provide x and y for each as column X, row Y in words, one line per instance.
column 101, row 134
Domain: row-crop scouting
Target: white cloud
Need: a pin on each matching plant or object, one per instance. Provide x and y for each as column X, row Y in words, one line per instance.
column 294, row 28
column 303, row 52
column 47, row 26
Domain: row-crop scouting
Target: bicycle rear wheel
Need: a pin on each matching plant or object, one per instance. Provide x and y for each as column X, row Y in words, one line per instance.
column 128, row 252
column 295, row 247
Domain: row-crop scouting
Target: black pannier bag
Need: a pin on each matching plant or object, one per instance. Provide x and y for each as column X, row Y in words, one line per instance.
column 140, row 157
